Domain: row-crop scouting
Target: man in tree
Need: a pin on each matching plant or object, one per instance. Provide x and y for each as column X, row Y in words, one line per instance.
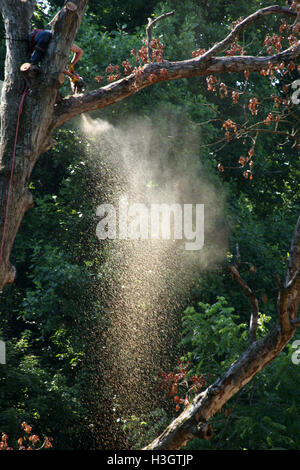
column 77, row 83
column 39, row 40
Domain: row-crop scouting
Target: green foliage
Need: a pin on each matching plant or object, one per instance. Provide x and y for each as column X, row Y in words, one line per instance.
column 265, row 413
column 32, row 392
column 51, row 303
column 140, row 430
column 212, row 337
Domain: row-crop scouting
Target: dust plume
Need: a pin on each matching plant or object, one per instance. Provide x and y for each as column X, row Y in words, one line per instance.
column 144, row 285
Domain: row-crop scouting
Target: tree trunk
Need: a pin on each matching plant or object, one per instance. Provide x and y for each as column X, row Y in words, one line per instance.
column 36, row 123
column 192, row 423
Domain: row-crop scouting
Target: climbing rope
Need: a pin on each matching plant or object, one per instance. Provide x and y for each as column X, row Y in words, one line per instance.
column 12, row 173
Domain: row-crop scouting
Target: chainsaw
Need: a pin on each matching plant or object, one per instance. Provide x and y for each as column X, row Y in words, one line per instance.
column 77, row 82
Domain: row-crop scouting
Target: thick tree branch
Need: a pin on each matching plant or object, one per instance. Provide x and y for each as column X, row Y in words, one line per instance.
column 209, row 402
column 121, row 89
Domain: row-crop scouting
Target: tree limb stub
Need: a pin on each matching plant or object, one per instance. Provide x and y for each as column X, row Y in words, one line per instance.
column 71, row 6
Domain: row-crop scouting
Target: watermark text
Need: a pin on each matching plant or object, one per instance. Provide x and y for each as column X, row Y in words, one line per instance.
column 157, row 222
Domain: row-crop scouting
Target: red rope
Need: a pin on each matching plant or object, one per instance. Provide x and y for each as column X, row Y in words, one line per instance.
column 12, row 173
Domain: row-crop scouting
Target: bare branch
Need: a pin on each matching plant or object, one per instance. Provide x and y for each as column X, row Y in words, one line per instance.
column 253, row 301
column 151, row 23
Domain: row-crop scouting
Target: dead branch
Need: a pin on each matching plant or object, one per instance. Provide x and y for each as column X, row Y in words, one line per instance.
column 253, row 300
column 151, row 23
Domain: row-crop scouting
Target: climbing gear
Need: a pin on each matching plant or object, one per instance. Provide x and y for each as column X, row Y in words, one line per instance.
column 12, row 172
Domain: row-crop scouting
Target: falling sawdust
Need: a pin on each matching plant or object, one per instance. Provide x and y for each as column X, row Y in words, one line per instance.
column 143, row 285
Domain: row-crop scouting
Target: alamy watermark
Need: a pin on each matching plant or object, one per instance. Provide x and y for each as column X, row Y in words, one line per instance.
column 296, row 95
column 296, row 354
column 2, row 352
column 157, row 222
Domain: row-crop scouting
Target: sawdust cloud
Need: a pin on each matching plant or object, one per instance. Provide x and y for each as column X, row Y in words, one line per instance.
column 142, row 285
